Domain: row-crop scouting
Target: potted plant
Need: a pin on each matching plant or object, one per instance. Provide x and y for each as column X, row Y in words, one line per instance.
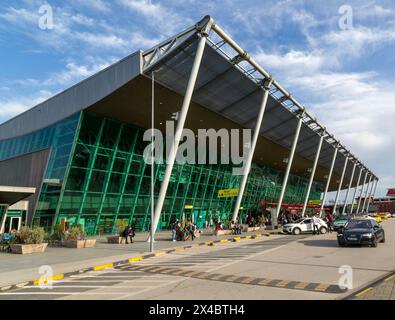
column 57, row 237
column 75, row 237
column 119, row 238
column 29, row 240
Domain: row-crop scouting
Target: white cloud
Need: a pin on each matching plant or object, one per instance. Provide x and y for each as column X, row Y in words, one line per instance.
column 12, row 107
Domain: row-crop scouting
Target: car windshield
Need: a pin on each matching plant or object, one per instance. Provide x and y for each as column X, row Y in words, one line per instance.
column 359, row 224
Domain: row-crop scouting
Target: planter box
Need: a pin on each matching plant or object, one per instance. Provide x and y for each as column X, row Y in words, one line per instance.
column 222, row 232
column 80, row 244
column 116, row 240
column 28, row 248
column 75, row 244
column 251, row 229
column 90, row 243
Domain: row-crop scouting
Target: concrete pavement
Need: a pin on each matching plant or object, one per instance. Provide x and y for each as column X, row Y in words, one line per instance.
column 16, row 269
column 280, row 267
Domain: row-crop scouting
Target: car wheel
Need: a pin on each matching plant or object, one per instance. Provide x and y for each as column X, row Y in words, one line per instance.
column 383, row 240
column 374, row 242
column 323, row 230
column 341, row 244
column 296, row 231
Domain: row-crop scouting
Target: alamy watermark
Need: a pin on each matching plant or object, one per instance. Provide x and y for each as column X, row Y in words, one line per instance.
column 45, row 21
column 346, row 21
column 205, row 147
column 346, row 279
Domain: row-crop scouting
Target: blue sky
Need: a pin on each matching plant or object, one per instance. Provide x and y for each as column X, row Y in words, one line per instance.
column 344, row 77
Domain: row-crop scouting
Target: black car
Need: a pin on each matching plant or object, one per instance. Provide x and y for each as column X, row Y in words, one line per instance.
column 361, row 231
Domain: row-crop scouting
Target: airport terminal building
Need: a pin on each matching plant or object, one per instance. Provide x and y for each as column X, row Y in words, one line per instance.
column 82, row 150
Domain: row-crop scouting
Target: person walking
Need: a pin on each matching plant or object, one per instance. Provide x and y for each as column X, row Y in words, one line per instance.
column 329, row 217
column 316, row 223
column 174, row 227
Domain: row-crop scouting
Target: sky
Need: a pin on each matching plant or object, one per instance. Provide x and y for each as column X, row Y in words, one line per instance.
column 335, row 57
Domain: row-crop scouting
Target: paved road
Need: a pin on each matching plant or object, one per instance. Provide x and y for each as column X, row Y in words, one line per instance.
column 280, row 267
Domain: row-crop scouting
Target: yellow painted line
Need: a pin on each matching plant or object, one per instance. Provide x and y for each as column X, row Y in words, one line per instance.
column 231, row 278
column 264, row 282
column 282, row 283
column 268, row 235
column 195, row 245
column 247, row 281
column 103, row 266
column 259, row 235
column 248, row 237
column 363, row 292
column 21, row 285
column 135, row 259
column 180, row 249
column 390, row 278
column 5, row 288
column 210, row 243
column 301, row 285
column 46, row 280
column 224, row 240
column 322, row 287
column 159, row 254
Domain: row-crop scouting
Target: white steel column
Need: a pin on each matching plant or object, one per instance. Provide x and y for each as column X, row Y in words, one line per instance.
column 356, row 190
column 329, row 180
column 366, row 195
column 360, row 195
column 349, row 188
column 180, row 127
column 317, row 157
column 3, row 219
column 289, row 166
column 254, row 141
column 375, row 188
column 340, row 186
column 369, row 197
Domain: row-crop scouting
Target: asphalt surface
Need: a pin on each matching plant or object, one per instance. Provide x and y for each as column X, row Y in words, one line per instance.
column 278, row 267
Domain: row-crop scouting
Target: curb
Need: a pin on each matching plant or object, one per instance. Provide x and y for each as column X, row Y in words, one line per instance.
column 62, row 276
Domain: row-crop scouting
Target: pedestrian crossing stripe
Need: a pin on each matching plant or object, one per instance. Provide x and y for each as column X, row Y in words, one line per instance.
column 286, row 284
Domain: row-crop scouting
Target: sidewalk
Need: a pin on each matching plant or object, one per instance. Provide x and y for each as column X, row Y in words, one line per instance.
column 16, row 269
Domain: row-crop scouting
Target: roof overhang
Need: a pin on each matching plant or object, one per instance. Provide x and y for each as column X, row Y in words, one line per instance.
column 11, row 195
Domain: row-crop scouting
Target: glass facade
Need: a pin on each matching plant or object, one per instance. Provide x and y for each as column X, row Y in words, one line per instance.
column 97, row 176
column 108, row 180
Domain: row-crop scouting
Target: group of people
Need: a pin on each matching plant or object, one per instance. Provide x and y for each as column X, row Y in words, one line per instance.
column 179, row 233
column 128, row 233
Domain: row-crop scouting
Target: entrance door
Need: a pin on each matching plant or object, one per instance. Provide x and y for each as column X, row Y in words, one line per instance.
column 15, row 223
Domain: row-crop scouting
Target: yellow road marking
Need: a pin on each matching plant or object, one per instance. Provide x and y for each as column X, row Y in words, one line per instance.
column 46, row 280
column 159, row 254
column 135, row 259
column 180, row 249
column 282, row 283
column 248, row 280
column 301, row 285
column 322, row 287
column 103, row 266
column 363, row 292
column 390, row 278
column 264, row 282
column 248, row 237
column 225, row 240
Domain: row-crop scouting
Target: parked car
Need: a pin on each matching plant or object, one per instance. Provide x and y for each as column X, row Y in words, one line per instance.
column 304, row 225
column 340, row 221
column 359, row 231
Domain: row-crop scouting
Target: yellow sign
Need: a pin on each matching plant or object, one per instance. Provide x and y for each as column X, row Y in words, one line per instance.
column 228, row 193
column 187, row 207
column 315, row 202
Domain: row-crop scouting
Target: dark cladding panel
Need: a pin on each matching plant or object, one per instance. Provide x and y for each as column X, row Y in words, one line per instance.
column 26, row 171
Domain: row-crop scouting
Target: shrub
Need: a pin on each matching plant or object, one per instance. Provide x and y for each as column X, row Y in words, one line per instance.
column 57, row 233
column 121, row 225
column 76, row 233
column 33, row 235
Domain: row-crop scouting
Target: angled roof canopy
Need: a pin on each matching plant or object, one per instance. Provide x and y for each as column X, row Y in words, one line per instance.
column 230, row 83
